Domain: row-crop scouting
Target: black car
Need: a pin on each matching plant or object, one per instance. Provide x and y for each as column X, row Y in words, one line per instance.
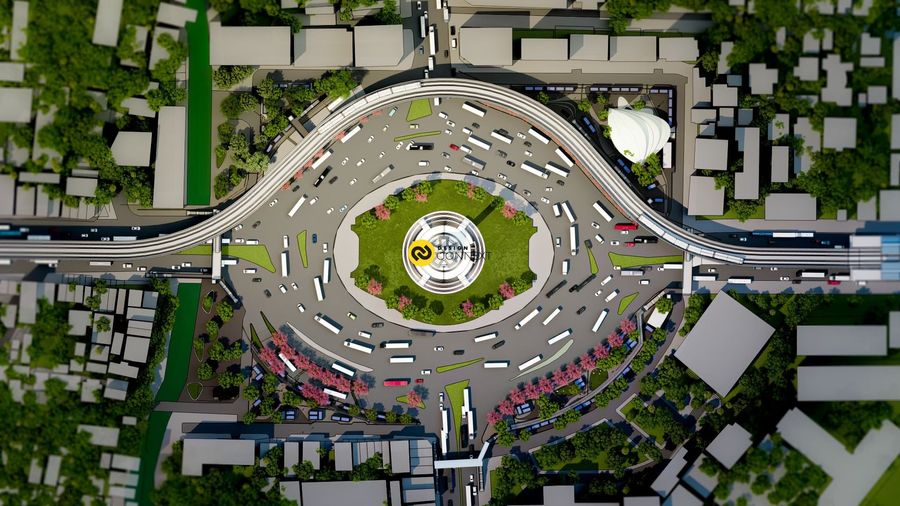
column 295, row 188
column 581, row 310
column 476, row 125
column 497, row 344
column 332, row 180
column 256, row 224
column 527, row 144
column 459, row 352
column 377, row 325
column 511, row 163
column 267, row 292
column 421, row 147
column 646, row 239
column 560, row 182
column 502, row 153
column 257, row 280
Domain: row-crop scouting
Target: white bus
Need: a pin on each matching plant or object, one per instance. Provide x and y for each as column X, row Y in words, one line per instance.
column 501, row 137
column 567, row 208
column 573, row 239
column 538, row 135
column 556, row 210
column 556, row 169
column 100, row 263
column 559, row 337
column 533, row 169
column 603, row 315
column 481, row 143
column 813, row 274
column 337, row 366
column 474, row 109
column 603, row 212
column 432, row 40
column 318, row 163
column 422, row 26
column 564, row 157
column 383, row 173
column 673, row 266
column 740, row 280
column 706, row 277
column 287, row 363
column 120, row 238
column 530, row 362
column 335, row 393
column 486, row 337
column 284, row 264
column 320, row 295
column 496, row 364
column 326, row 271
column 229, row 261
column 326, row 322
column 474, row 162
column 552, row 315
column 359, row 346
column 612, row 295
column 524, row 321
column 402, row 359
column 350, row 133
column 396, row 344
column 296, row 207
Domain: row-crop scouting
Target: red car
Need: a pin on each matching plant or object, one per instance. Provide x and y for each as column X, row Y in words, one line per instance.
column 833, row 282
column 420, row 380
column 626, row 226
column 629, row 244
column 454, row 147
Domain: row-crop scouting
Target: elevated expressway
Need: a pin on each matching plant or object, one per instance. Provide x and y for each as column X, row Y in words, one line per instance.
column 606, row 177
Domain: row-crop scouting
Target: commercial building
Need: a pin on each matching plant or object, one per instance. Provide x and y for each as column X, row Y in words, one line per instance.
column 704, row 198
column 219, row 452
column 848, row 383
column 171, row 150
column 488, row 47
column 249, row 45
column 638, row 134
column 378, row 45
column 323, row 48
column 841, row 340
column 723, row 343
column 791, row 206
column 730, row 445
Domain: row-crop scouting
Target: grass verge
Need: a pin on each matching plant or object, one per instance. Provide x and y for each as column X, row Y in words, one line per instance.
column 301, row 244
column 416, row 135
column 626, row 301
column 654, row 430
column 402, row 399
column 199, row 170
column 156, row 429
column 593, row 261
column 181, row 343
column 254, row 253
column 886, row 489
column 194, row 390
column 455, row 395
column 418, row 109
column 628, row 261
column 254, row 338
column 460, row 365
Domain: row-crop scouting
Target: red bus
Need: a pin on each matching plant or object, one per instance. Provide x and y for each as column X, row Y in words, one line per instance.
column 396, row 382
column 626, row 226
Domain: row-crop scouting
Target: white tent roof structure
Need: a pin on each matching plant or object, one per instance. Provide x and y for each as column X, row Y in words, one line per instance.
column 638, row 134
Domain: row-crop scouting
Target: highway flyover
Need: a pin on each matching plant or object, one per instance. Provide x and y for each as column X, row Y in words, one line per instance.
column 608, row 179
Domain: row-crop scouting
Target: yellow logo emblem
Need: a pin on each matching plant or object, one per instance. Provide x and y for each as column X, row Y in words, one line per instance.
column 420, row 253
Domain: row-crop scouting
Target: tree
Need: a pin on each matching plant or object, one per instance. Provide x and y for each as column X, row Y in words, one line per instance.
column 102, row 324
column 543, row 97
column 304, row 470
column 392, row 202
column 225, row 311
column 388, row 14
column 236, row 103
column 509, row 211
column 230, row 379
column 270, row 384
column 250, row 393
column 665, row 305
column 506, row 291
column 584, row 105
column 336, row 84
column 205, row 372
column 374, row 287
column 212, row 329
column 382, row 212
column 367, row 221
column 226, row 76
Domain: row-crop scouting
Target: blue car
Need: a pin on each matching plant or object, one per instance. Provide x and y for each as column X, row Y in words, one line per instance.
column 315, row 238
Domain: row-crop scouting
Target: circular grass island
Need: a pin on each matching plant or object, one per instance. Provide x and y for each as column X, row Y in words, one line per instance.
column 505, row 232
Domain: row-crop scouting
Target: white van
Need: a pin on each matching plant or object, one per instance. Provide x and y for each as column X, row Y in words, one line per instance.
column 250, row 270
column 363, row 333
column 423, row 163
column 284, row 241
column 565, row 267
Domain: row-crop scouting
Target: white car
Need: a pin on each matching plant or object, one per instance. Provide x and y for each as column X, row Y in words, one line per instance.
column 381, row 155
column 644, row 282
column 360, row 162
column 272, row 204
column 548, row 189
column 438, row 348
column 502, row 176
column 413, row 126
column 448, row 168
column 351, row 315
column 448, row 131
column 282, row 288
column 443, row 115
column 528, row 153
column 595, row 225
column 314, row 200
column 126, row 266
column 330, row 210
column 425, row 372
column 352, row 181
column 520, row 135
column 142, row 268
column 784, row 278
column 238, row 227
column 301, row 308
column 558, row 241
column 294, row 286
column 343, row 208
column 614, row 243
column 135, row 228
column 450, row 124
column 324, row 247
column 371, row 138
column 624, row 232
column 598, row 292
column 545, row 200
column 345, row 160
column 399, row 145
column 384, row 128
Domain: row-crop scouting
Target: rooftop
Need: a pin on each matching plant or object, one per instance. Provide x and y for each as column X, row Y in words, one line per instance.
column 323, row 48
column 132, row 149
column 588, row 47
column 705, row 199
column 719, row 358
column 632, row 48
column 249, row 45
column 331, row 493
column 378, row 45
column 791, row 206
column 486, row 46
column 225, row 452
column 729, row 446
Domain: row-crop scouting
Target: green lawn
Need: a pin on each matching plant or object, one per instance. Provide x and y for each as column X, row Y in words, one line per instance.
column 653, row 431
column 402, row 400
column 597, row 462
column 626, row 301
column 418, row 109
column 301, row 244
column 455, row 396
column 181, row 343
column 150, row 449
column 194, row 390
column 254, row 253
column 597, row 378
column 199, row 112
column 459, row 365
column 887, row 489
column 416, row 135
column 628, row 261
column 593, row 261
column 505, row 242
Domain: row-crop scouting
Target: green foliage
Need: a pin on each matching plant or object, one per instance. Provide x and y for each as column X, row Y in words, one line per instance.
column 220, row 353
column 256, row 13
column 665, row 305
column 207, row 302
column 51, row 345
column 226, row 76
column 647, row 171
column 236, row 103
column 546, row 407
column 102, row 324
column 511, row 477
column 584, row 105
column 250, row 393
column 388, row 14
column 212, row 329
column 205, row 371
column 697, row 304
column 674, row 379
column 225, row 311
column 228, row 180
column 336, row 84
column 270, row 384
column 543, row 97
